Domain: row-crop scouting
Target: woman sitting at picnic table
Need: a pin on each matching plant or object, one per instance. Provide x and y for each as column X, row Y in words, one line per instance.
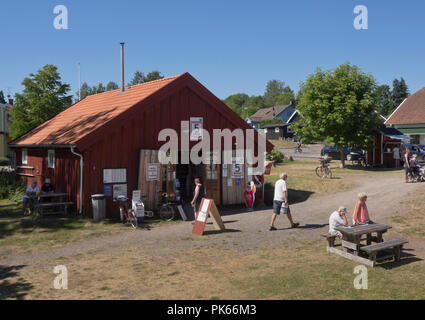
column 361, row 214
column 31, row 192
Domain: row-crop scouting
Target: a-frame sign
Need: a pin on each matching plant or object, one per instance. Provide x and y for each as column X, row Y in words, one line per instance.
column 206, row 208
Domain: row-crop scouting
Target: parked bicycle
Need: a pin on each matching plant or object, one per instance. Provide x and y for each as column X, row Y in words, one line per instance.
column 324, row 169
column 126, row 213
column 166, row 207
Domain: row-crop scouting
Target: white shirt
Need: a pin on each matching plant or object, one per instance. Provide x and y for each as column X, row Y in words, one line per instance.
column 279, row 187
column 335, row 220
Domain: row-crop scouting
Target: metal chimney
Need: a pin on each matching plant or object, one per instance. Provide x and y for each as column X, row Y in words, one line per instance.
column 122, row 67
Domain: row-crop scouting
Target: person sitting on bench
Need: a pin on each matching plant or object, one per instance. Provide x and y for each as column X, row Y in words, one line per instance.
column 47, row 188
column 31, row 191
column 337, row 219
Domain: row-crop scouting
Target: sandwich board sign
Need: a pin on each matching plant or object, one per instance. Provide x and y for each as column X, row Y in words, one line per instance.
column 206, row 208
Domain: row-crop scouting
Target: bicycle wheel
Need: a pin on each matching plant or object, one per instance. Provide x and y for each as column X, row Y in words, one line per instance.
column 319, row 172
column 166, row 212
column 133, row 219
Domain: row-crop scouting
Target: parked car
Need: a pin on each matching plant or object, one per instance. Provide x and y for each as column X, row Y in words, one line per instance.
column 354, row 154
column 414, row 149
column 333, row 152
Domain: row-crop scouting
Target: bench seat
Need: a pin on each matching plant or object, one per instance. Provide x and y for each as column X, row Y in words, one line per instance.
column 40, row 206
column 396, row 245
column 330, row 238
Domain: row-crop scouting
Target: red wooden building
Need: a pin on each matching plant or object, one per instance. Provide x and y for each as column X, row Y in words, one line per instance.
column 386, row 139
column 106, row 142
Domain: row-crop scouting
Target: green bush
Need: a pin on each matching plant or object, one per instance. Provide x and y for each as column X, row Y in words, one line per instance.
column 275, row 156
column 12, row 186
column 4, row 161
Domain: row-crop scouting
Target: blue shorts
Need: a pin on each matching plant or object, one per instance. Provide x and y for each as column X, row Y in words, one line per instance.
column 277, row 206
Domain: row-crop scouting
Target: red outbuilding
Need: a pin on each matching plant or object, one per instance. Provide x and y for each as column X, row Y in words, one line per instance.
column 108, row 144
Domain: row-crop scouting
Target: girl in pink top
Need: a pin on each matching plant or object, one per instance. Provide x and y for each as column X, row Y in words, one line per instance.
column 361, row 214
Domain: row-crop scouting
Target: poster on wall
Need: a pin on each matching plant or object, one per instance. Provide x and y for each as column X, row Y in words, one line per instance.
column 237, row 170
column 107, row 190
column 196, row 126
column 120, row 190
column 152, row 171
column 114, row 175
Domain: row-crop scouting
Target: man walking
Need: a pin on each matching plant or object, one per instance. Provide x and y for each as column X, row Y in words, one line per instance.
column 280, row 202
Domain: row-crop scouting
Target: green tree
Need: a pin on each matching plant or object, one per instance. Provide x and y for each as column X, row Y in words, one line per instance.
column 99, row 88
column 153, row 75
column 111, row 86
column 43, row 97
column 274, row 89
column 285, row 99
column 2, row 99
column 399, row 93
column 382, row 100
column 236, row 102
column 139, row 77
column 337, row 106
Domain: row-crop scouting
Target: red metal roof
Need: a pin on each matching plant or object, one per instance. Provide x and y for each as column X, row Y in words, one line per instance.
column 87, row 115
column 411, row 111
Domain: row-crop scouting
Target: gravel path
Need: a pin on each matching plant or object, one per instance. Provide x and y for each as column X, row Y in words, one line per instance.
column 245, row 230
column 310, row 152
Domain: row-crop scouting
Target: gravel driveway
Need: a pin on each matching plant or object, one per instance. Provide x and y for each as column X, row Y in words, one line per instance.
column 310, row 152
column 246, row 230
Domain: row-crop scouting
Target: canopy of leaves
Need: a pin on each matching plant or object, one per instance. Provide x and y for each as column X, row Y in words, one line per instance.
column 399, row 93
column 277, row 93
column 337, row 106
column 139, row 77
column 43, row 97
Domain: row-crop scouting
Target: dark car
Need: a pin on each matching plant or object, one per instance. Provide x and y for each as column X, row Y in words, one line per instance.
column 354, row 154
column 414, row 149
column 333, row 152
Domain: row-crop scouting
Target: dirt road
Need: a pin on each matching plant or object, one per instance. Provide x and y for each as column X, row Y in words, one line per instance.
column 247, row 230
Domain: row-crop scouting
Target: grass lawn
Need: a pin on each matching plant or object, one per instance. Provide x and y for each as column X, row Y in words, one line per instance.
column 283, row 144
column 304, row 182
column 289, row 272
column 25, row 234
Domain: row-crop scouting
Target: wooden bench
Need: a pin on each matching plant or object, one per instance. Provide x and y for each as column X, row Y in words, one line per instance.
column 330, row 238
column 39, row 207
column 396, row 246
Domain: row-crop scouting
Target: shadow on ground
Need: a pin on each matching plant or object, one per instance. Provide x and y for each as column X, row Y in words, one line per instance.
column 12, row 290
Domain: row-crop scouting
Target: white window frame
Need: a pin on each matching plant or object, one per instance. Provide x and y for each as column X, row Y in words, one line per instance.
column 276, row 130
column 51, row 165
column 265, row 130
column 24, row 156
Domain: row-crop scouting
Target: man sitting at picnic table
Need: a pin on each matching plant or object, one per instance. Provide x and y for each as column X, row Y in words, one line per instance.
column 47, row 188
column 337, row 219
column 33, row 190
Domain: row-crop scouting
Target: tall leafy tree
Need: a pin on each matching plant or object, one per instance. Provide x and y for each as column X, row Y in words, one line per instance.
column 99, row 88
column 399, row 93
column 274, row 89
column 153, row 75
column 111, row 86
column 2, row 99
column 337, row 105
column 382, row 100
column 236, row 102
column 43, row 97
column 140, row 77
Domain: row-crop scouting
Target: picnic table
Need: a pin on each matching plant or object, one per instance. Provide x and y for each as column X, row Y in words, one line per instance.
column 59, row 206
column 372, row 234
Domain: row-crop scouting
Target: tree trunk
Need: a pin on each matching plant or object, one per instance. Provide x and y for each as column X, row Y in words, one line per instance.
column 342, row 158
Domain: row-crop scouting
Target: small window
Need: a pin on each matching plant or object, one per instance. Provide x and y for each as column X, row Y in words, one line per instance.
column 51, row 159
column 265, row 130
column 290, row 130
column 276, row 130
column 13, row 159
column 24, row 156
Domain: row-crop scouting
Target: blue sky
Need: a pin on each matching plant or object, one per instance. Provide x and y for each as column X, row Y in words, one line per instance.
column 229, row 46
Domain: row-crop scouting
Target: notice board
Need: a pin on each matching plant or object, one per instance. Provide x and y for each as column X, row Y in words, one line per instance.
column 114, row 176
column 207, row 208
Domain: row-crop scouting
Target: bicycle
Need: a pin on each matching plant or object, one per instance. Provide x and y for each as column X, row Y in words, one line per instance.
column 126, row 214
column 166, row 210
column 324, row 169
column 298, row 149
